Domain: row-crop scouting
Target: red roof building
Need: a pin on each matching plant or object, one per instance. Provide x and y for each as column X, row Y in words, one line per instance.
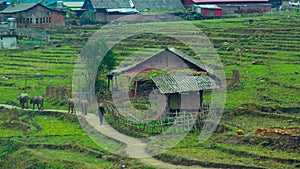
column 192, row 2
column 208, row 10
column 234, row 6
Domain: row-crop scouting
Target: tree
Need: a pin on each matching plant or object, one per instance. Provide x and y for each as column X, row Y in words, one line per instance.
column 88, row 18
column 95, row 57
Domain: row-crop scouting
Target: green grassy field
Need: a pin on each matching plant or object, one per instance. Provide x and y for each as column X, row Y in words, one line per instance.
column 266, row 53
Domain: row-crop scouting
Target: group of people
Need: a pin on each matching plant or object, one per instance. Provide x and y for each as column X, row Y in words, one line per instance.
column 84, row 105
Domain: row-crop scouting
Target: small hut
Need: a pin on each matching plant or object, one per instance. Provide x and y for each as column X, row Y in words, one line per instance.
column 173, row 81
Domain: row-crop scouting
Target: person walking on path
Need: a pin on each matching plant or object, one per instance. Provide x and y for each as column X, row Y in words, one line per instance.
column 101, row 113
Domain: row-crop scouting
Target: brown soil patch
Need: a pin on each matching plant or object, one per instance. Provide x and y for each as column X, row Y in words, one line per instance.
column 278, row 132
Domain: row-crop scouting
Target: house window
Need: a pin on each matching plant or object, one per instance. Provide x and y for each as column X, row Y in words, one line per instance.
column 49, row 19
column 41, row 20
column 30, row 20
column 36, row 20
column 23, row 20
column 44, row 19
column 27, row 20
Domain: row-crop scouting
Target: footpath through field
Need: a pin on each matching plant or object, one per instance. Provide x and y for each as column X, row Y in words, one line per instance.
column 135, row 148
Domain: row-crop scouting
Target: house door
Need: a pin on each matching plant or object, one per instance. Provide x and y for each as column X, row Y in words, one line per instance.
column 211, row 12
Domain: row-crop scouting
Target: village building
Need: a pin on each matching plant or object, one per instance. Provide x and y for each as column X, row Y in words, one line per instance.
column 158, row 5
column 8, row 37
column 33, row 15
column 183, row 81
column 8, row 41
column 234, row 6
column 107, row 10
column 207, row 10
column 3, row 5
column 72, row 5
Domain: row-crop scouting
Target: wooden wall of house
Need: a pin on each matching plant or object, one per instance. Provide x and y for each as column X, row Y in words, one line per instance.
column 58, row 19
column 2, row 5
column 163, row 60
column 112, row 17
column 38, row 16
column 189, row 101
column 244, row 9
column 100, row 16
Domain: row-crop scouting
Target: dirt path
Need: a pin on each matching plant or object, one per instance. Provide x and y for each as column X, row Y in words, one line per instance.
column 135, row 148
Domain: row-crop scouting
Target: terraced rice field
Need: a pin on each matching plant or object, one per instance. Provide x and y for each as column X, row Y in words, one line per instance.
column 266, row 53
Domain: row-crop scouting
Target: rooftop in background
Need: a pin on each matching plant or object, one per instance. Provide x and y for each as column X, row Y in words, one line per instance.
column 230, row 1
column 109, row 4
column 19, row 7
column 46, row 2
column 208, row 6
column 156, row 5
column 73, row 4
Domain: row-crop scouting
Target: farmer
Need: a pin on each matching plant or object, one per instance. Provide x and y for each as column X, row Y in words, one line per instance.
column 251, row 20
column 101, row 113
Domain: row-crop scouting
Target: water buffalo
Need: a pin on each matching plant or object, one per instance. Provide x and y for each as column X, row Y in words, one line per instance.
column 23, row 98
column 71, row 106
column 37, row 100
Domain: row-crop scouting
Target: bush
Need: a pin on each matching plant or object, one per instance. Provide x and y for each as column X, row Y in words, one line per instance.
column 88, row 18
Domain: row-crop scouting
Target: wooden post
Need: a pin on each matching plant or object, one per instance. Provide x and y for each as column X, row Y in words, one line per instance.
column 116, row 83
column 108, row 85
column 111, row 86
column 201, row 99
column 127, row 86
column 161, row 125
column 135, row 88
column 235, row 77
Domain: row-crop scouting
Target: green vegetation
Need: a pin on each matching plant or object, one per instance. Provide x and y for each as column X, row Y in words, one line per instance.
column 52, row 140
column 266, row 54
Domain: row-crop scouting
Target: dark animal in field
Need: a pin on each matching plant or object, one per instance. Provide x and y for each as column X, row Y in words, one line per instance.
column 84, row 105
column 71, row 106
column 37, row 100
column 251, row 20
column 23, row 98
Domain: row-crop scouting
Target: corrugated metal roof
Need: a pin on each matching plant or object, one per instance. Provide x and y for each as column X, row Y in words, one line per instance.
column 183, row 83
column 110, row 4
column 19, row 7
column 246, row 4
column 155, row 5
column 229, row 1
column 73, row 4
column 123, row 10
column 208, row 6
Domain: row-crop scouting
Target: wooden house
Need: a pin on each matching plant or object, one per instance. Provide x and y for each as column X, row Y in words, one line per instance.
column 208, row 10
column 3, row 5
column 33, row 15
column 72, row 5
column 171, row 74
column 108, row 10
column 158, row 5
